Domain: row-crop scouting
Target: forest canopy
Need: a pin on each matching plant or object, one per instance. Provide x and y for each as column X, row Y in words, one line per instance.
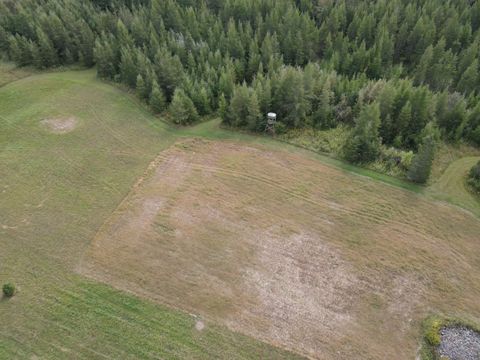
column 391, row 70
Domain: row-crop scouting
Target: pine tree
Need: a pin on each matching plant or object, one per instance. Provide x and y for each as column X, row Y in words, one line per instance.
column 403, row 121
column 141, row 88
column 422, row 72
column 422, row 162
column 469, row 80
column 128, row 68
column 3, row 40
column 363, row 145
column 182, row 109
column 85, row 44
column 323, row 116
column 47, row 55
column 239, row 106
column 157, row 98
column 288, row 99
column 253, row 112
column 223, row 108
column 105, row 58
column 169, row 70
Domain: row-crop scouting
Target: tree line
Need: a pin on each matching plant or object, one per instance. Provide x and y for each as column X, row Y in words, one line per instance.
column 399, row 73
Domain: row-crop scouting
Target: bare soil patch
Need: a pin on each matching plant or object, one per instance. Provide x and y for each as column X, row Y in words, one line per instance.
column 60, row 125
column 286, row 249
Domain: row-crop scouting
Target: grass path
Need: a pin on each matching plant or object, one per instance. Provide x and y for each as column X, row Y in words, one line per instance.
column 451, row 186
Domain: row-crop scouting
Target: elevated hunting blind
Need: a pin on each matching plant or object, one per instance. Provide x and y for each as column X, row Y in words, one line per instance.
column 271, row 121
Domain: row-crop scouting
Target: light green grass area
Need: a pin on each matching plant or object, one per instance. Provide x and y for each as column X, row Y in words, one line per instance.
column 56, row 190
column 452, row 187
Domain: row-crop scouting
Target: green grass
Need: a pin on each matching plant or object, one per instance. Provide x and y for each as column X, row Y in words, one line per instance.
column 452, row 187
column 55, row 192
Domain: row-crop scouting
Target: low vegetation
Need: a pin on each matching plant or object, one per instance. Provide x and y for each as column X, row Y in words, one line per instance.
column 8, row 289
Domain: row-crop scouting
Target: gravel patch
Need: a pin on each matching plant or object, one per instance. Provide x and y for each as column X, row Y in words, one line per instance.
column 459, row 343
column 199, row 325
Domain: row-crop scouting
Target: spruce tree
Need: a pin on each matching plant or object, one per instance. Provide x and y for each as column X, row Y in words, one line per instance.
column 469, row 80
column 422, row 162
column 223, row 108
column 240, row 107
column 128, row 68
column 47, row 55
column 157, row 98
column 363, row 145
column 141, row 88
column 182, row 109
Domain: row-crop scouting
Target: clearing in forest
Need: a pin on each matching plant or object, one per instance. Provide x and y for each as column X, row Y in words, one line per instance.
column 284, row 248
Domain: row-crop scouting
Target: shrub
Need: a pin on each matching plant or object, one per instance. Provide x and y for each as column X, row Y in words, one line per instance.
column 432, row 333
column 474, row 178
column 8, row 290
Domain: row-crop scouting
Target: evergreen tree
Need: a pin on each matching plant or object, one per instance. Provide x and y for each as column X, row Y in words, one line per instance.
column 469, row 80
column 157, row 98
column 141, row 88
column 182, row 109
column 128, row 68
column 363, row 145
column 222, row 107
column 47, row 56
column 422, row 162
column 244, row 110
column 169, row 70
column 288, row 98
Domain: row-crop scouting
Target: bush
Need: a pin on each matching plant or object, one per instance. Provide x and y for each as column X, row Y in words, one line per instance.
column 432, row 332
column 8, row 290
column 474, row 178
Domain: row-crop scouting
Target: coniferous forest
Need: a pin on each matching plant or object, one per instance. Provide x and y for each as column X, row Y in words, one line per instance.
column 400, row 74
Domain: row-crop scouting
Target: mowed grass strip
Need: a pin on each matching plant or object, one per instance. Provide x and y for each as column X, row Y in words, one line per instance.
column 60, row 180
column 452, row 186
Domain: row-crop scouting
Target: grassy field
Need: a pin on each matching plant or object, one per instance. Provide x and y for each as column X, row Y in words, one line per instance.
column 56, row 190
column 115, row 227
column 286, row 249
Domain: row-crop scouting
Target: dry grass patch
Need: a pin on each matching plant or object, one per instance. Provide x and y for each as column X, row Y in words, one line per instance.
column 60, row 125
column 289, row 250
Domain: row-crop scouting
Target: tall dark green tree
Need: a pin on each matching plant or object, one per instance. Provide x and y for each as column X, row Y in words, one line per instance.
column 363, row 145
column 422, row 162
column 182, row 110
column 157, row 98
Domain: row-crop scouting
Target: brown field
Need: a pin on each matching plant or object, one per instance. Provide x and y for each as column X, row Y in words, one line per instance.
column 284, row 248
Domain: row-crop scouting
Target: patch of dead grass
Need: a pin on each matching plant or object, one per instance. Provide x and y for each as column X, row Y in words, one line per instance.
column 60, row 125
column 291, row 251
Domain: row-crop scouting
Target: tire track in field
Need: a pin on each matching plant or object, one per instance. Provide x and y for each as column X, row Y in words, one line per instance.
column 370, row 217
